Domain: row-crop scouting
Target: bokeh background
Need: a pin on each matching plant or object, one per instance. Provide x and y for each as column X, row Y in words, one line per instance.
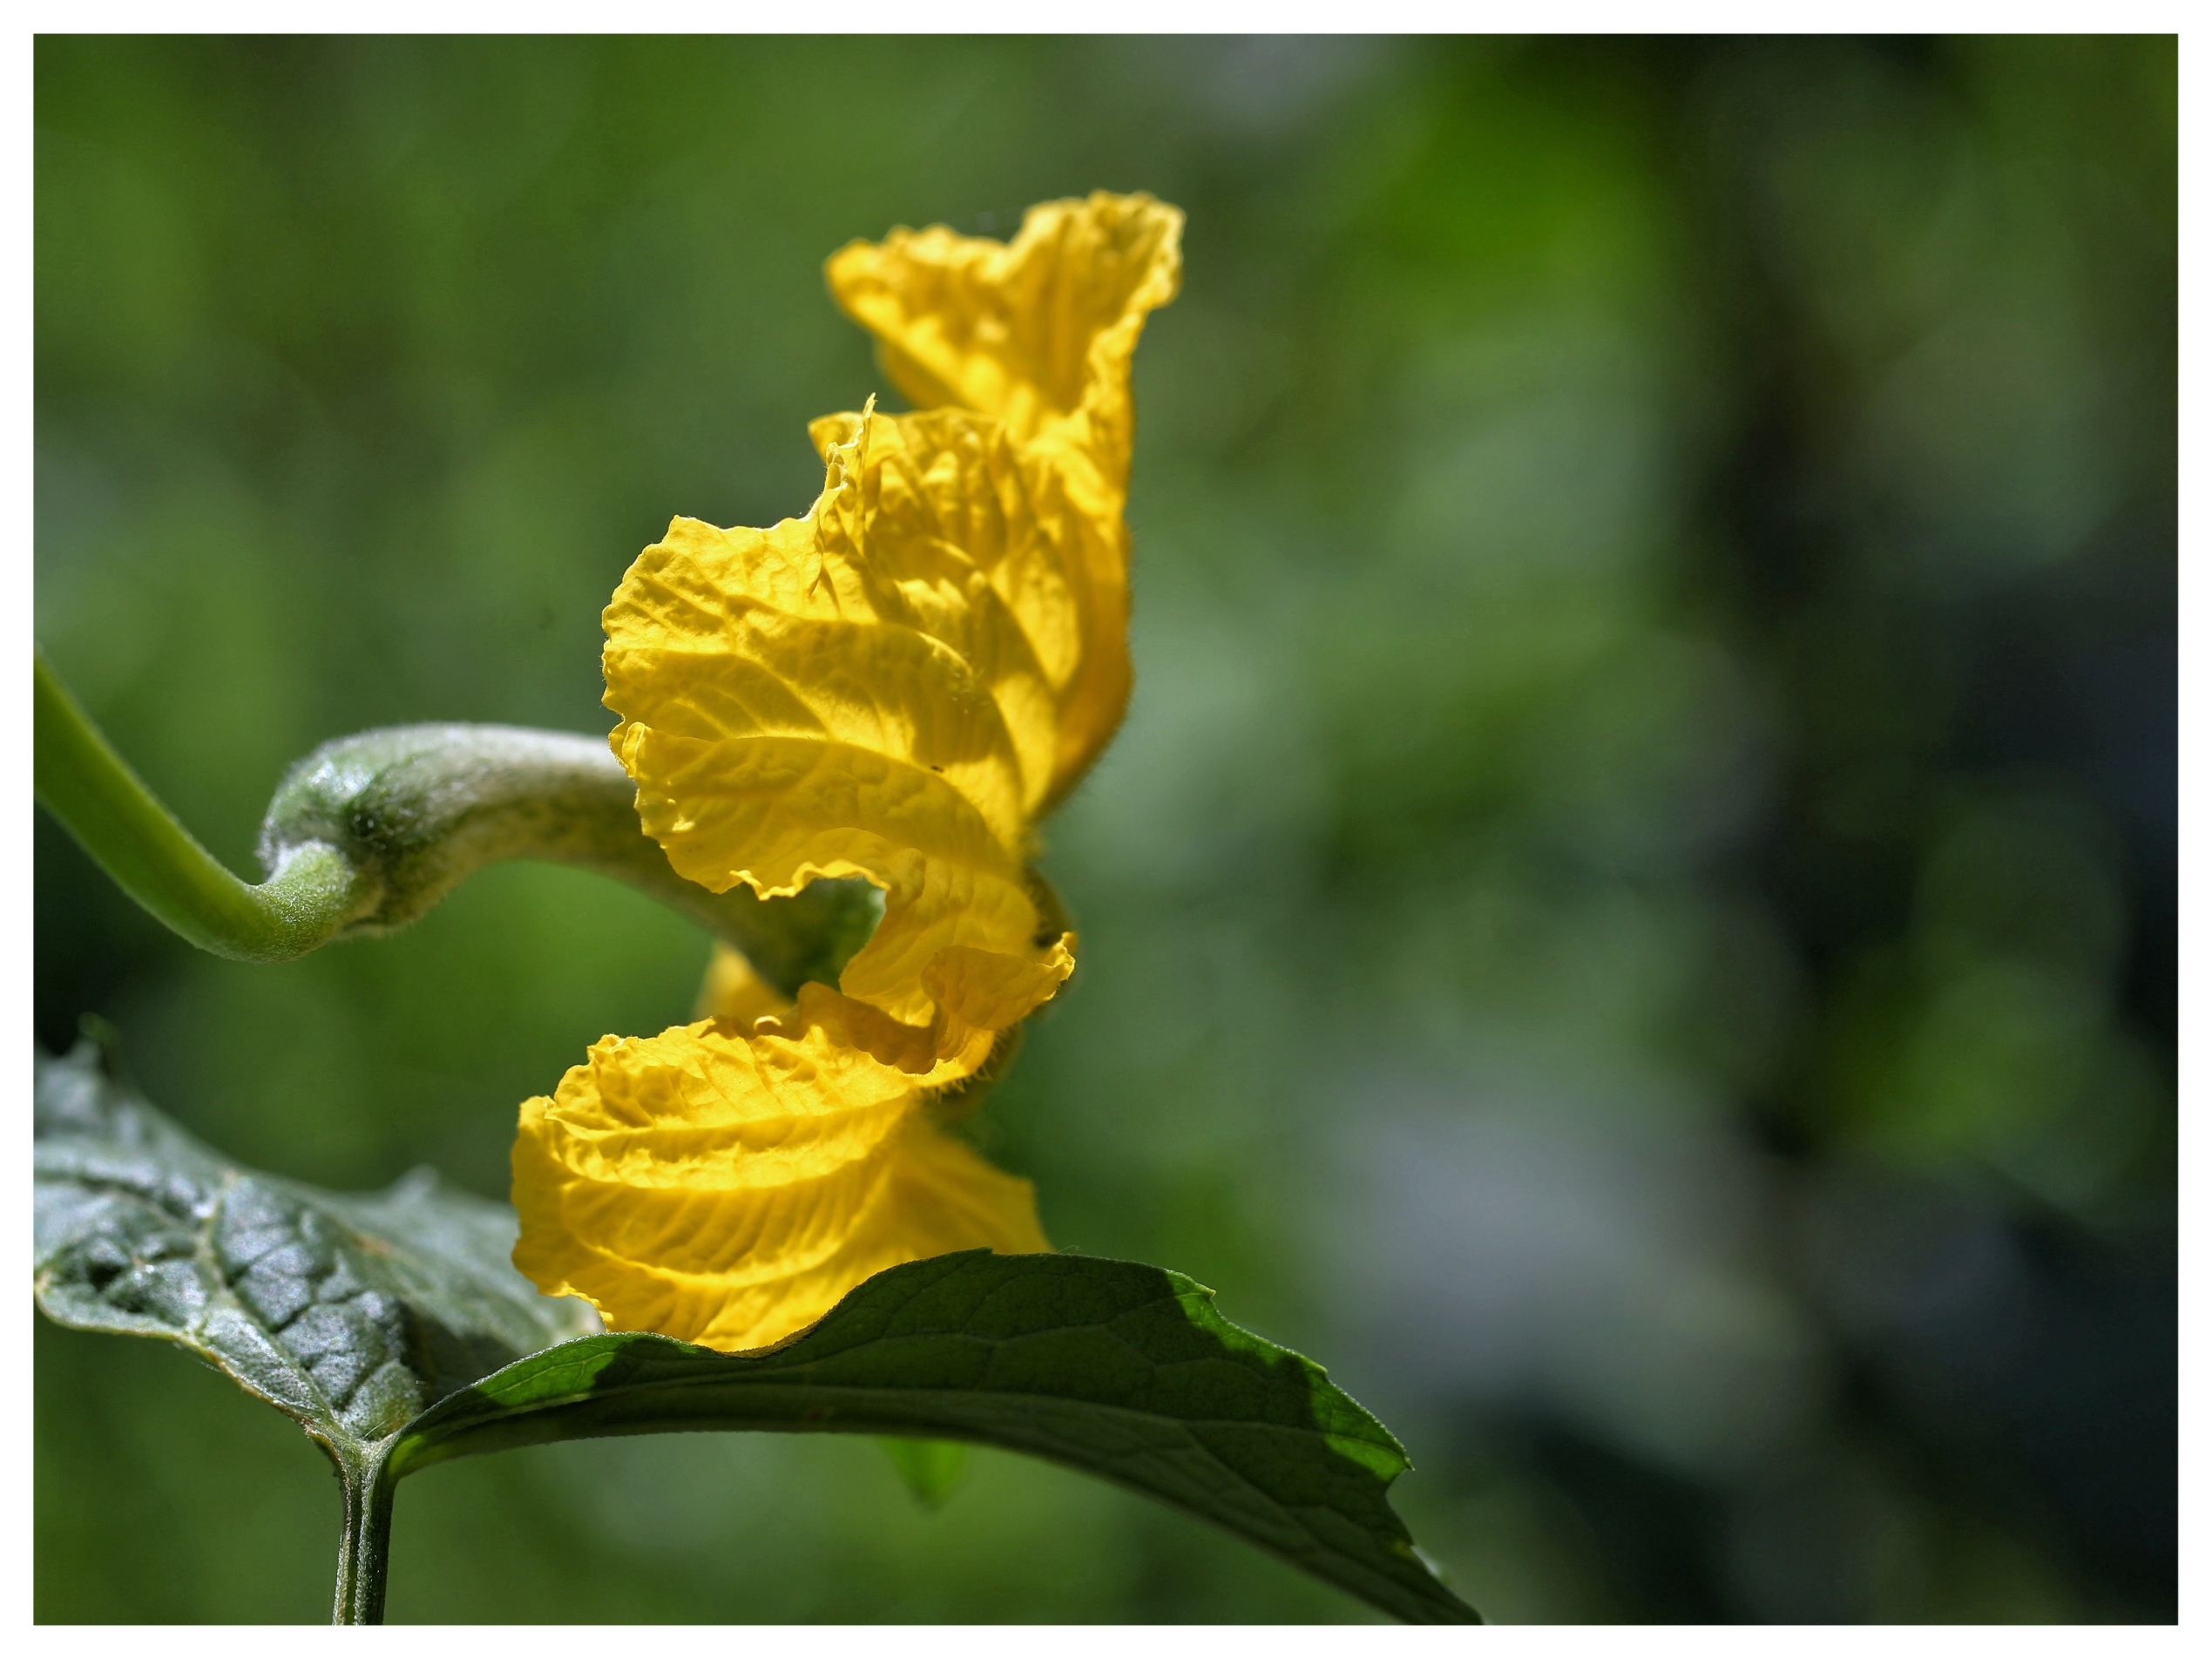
column 1633, row 914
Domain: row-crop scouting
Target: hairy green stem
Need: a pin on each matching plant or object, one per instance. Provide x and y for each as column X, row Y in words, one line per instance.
column 369, row 831
column 83, row 782
column 365, row 1545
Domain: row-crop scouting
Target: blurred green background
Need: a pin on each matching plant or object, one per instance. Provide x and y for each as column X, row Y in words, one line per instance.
column 1633, row 914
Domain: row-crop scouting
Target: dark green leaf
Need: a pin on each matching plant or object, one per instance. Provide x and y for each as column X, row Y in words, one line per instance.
column 354, row 1314
column 350, row 1314
column 1120, row 1369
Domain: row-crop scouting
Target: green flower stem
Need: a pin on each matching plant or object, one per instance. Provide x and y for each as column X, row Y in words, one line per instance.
column 83, row 782
column 369, row 831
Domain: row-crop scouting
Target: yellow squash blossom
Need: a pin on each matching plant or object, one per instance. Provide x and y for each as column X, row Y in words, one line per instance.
column 896, row 686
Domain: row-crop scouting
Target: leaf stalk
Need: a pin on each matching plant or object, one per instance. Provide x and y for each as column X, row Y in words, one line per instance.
column 365, row 1545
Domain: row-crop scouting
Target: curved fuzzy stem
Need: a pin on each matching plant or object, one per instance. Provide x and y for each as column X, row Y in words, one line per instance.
column 83, row 782
column 369, row 831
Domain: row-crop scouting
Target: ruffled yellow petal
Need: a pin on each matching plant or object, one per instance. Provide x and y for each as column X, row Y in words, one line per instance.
column 942, row 507
column 1037, row 331
column 728, row 1188
column 844, row 694
column 1038, row 334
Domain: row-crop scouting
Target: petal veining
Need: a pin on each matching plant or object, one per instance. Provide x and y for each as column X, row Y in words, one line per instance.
column 728, row 1188
column 844, row 695
column 1038, row 334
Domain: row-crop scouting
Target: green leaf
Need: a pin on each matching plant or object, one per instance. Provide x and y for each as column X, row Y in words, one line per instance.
column 931, row 1469
column 376, row 1322
column 1113, row 1368
column 348, row 1314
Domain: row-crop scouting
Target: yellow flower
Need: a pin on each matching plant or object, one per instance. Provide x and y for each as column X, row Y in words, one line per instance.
column 896, row 686
column 1038, row 334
